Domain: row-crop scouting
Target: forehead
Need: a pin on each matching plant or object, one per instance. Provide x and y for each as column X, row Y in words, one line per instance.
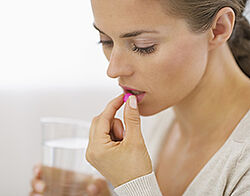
column 115, row 15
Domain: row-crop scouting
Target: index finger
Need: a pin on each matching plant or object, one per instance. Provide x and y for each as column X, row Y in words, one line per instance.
column 112, row 107
column 37, row 170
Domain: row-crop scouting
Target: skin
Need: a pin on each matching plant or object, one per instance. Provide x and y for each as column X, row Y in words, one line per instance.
column 196, row 74
column 187, row 70
column 39, row 186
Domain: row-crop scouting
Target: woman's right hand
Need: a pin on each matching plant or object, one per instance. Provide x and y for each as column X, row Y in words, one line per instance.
column 98, row 186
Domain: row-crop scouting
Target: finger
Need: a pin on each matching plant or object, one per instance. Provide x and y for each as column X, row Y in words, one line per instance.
column 92, row 190
column 38, row 186
column 37, row 170
column 117, row 129
column 101, row 129
column 98, row 187
column 112, row 107
column 103, row 187
column 110, row 110
column 132, row 120
column 92, row 129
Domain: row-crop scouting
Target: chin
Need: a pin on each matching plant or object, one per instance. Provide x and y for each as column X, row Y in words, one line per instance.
column 149, row 111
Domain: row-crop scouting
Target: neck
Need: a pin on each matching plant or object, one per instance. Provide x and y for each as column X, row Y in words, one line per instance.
column 217, row 104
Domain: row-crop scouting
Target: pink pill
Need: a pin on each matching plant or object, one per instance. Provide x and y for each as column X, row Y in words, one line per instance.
column 125, row 98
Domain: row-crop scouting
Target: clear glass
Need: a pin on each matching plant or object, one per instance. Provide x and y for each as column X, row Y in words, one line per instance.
column 65, row 170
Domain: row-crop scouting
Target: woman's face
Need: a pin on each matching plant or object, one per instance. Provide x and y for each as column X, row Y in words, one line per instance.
column 171, row 67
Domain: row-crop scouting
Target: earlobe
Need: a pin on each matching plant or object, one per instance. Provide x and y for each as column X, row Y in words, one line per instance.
column 222, row 27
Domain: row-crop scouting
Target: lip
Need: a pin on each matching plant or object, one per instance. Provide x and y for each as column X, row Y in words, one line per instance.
column 138, row 97
column 127, row 88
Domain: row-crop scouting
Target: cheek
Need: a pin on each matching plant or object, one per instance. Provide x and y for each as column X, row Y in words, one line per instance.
column 182, row 66
column 185, row 61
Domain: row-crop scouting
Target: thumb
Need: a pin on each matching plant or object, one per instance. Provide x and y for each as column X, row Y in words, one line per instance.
column 132, row 119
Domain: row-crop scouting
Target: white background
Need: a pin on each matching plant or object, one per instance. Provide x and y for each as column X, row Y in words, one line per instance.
column 50, row 65
column 50, row 43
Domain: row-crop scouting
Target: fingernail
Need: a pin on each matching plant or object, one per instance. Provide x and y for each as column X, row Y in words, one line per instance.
column 40, row 186
column 92, row 189
column 133, row 102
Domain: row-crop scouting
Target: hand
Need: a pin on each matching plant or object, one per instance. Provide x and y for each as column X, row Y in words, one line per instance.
column 97, row 187
column 124, row 158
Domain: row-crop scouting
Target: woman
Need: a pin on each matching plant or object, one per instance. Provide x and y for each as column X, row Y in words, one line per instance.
column 192, row 56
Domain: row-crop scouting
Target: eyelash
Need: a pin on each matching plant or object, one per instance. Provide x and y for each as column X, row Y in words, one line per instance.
column 140, row 51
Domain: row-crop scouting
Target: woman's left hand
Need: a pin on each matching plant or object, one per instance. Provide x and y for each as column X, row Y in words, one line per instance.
column 126, row 157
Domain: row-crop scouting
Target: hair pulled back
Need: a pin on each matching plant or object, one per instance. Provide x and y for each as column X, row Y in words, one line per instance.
column 200, row 15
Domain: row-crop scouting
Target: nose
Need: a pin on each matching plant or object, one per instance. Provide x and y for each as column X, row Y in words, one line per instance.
column 119, row 64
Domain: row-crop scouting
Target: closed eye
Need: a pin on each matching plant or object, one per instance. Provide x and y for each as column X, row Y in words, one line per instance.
column 140, row 51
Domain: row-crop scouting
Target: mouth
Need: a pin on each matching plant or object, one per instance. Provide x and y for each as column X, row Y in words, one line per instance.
column 139, row 94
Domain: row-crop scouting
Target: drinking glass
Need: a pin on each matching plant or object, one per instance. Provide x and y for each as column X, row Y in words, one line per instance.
column 65, row 170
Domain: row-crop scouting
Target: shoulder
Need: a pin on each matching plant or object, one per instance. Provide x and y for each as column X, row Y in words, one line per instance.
column 238, row 163
column 238, row 149
column 241, row 134
column 244, row 158
column 242, row 172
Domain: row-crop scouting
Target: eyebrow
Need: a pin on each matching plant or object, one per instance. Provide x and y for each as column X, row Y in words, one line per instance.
column 130, row 34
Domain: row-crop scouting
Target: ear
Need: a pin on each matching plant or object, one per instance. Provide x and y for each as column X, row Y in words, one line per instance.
column 222, row 27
